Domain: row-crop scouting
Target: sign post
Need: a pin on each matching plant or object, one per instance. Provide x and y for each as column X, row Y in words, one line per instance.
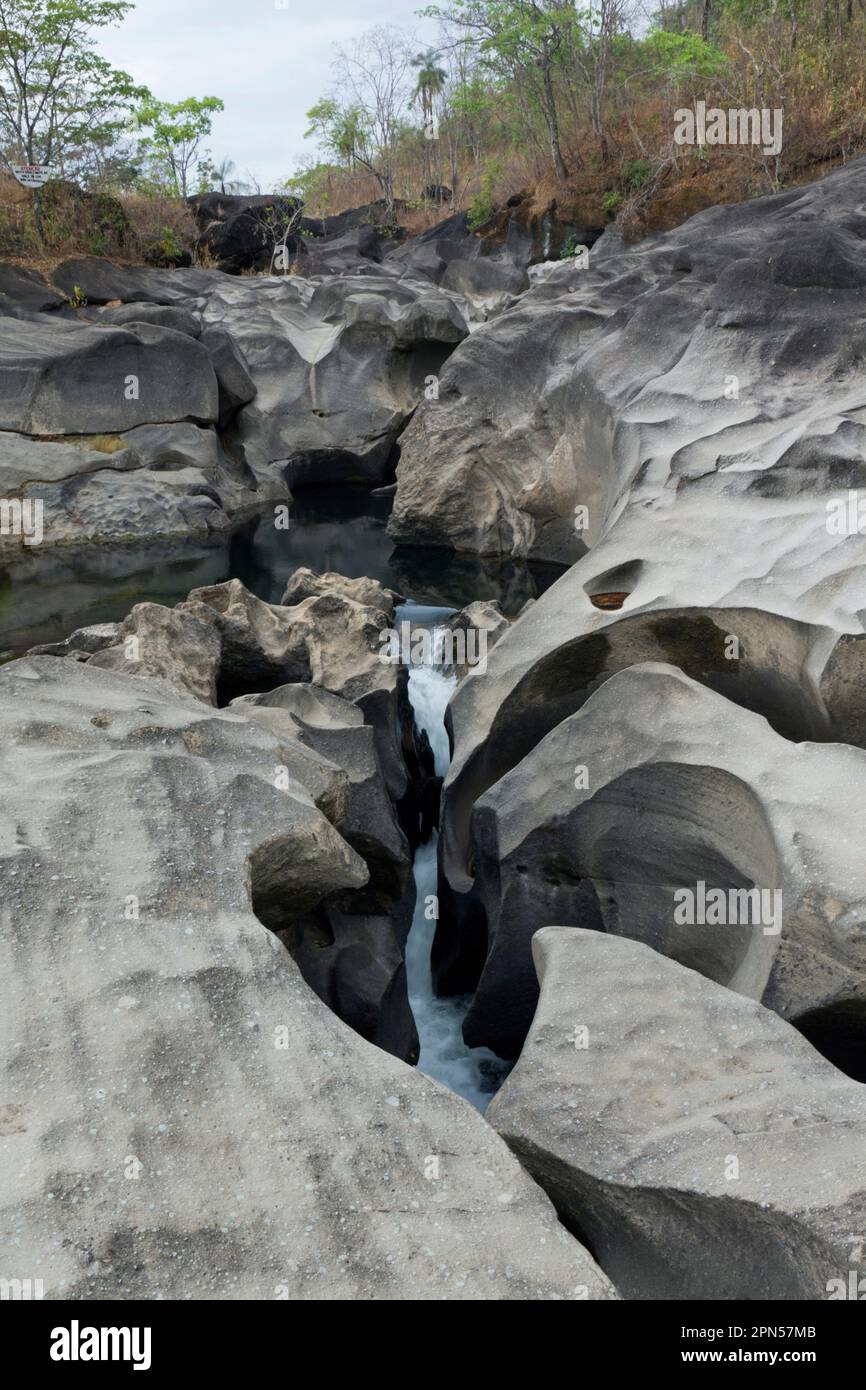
column 33, row 176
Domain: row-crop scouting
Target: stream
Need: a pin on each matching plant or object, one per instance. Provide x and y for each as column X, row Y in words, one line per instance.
column 339, row 529
column 473, row 1073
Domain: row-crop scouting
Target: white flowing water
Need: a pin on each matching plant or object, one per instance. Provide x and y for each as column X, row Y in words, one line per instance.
column 472, row 1072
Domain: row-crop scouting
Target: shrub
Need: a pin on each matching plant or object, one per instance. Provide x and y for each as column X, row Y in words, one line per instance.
column 164, row 229
column 94, row 224
column 570, row 247
column 483, row 205
column 636, row 172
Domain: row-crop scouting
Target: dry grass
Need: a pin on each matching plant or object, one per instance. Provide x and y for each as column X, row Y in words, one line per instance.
column 822, row 92
column 128, row 231
column 160, row 223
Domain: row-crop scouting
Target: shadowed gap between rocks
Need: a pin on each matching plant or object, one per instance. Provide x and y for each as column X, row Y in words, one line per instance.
column 642, row 1238
column 838, row 1032
column 614, row 865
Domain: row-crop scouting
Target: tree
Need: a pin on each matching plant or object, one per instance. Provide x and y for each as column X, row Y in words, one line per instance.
column 365, row 126
column 219, row 173
column 59, row 100
column 431, row 82
column 429, row 85
column 177, row 129
column 591, row 51
column 510, row 32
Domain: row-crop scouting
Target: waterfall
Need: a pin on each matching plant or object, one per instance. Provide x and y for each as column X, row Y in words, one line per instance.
column 474, row 1073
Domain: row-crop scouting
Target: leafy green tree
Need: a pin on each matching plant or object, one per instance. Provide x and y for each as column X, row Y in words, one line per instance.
column 341, row 130
column 57, row 95
column 680, row 58
column 515, row 34
column 176, row 131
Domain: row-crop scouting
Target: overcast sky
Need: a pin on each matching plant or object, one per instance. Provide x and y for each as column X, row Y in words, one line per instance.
column 268, row 60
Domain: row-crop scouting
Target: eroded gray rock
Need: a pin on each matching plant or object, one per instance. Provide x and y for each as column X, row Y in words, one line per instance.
column 97, row 281
column 339, row 365
column 156, row 480
column 182, row 1117
column 656, row 785
column 25, row 294
column 306, row 583
column 61, row 378
column 350, row 950
column 704, row 1148
column 711, row 365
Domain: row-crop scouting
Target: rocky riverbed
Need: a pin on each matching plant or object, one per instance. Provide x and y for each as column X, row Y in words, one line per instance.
column 229, row 821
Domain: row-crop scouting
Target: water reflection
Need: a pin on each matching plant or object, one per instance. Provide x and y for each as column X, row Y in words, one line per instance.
column 343, row 529
column 46, row 594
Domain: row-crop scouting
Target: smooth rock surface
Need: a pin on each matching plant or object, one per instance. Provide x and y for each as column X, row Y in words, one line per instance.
column 339, row 365
column 182, row 1118
column 655, row 785
column 63, row 378
column 157, row 480
column 701, row 1146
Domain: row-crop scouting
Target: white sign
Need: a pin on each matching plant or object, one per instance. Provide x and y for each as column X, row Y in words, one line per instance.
column 33, row 175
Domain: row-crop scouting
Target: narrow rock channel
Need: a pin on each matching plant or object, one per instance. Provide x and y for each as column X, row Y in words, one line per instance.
column 474, row 1073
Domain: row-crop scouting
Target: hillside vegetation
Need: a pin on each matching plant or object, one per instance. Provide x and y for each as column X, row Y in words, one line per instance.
column 573, row 107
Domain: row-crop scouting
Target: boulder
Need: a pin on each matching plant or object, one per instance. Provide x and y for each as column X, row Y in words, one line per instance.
column 93, row 280
column 293, row 713
column 350, row 951
column 674, row 397
column 181, row 648
column 84, row 642
column 25, row 294
column 328, row 639
column 213, row 1131
column 701, row 1146
column 339, row 366
column 712, row 362
column 236, row 387
column 455, row 257
column 604, row 832
column 153, row 481
column 239, row 232
column 357, row 250
column 481, row 617
column 63, row 378
column 757, row 648
column 334, row 729
column 379, row 215
column 306, row 583
column 163, row 315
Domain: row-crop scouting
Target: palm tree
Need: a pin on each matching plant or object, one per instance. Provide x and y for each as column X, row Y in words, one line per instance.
column 431, row 81
column 221, row 172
